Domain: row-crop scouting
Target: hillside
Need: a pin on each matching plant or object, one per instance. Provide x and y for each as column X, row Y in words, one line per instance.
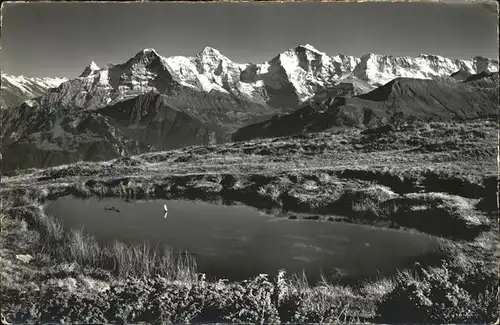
column 45, row 136
column 434, row 179
column 400, row 99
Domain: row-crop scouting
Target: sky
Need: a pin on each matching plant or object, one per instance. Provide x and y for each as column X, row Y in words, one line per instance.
column 61, row 39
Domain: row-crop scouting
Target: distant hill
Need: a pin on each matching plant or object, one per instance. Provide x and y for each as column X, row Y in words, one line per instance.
column 401, row 98
column 52, row 135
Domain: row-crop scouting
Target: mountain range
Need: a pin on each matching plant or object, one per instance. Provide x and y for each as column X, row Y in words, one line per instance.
column 151, row 102
column 399, row 99
column 16, row 89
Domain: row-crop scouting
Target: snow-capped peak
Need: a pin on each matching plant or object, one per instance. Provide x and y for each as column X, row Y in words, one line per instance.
column 378, row 69
column 427, row 55
column 307, row 48
column 432, row 57
column 298, row 73
column 26, row 84
column 90, row 70
column 367, row 56
column 16, row 89
column 207, row 50
column 148, row 50
column 484, row 64
column 93, row 66
column 305, row 68
column 208, row 70
column 145, row 56
column 310, row 48
column 52, row 82
column 211, row 56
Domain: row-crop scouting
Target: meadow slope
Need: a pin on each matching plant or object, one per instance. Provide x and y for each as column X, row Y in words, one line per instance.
column 438, row 178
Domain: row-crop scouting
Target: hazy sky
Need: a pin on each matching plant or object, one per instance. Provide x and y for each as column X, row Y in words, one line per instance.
column 60, row 39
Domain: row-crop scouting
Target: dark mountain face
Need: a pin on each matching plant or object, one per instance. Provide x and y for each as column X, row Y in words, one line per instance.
column 150, row 120
column 12, row 98
column 54, row 129
column 460, row 75
column 35, row 136
column 401, row 98
column 145, row 69
column 216, row 109
column 483, row 80
column 43, row 136
column 349, row 88
column 279, row 89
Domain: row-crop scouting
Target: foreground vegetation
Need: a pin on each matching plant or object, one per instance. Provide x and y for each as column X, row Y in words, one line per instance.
column 424, row 177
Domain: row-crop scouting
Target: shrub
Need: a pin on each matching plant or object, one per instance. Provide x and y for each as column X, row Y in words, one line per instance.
column 440, row 294
column 251, row 302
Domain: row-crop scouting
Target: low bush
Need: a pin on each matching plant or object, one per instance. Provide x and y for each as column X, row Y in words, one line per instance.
column 441, row 294
column 157, row 300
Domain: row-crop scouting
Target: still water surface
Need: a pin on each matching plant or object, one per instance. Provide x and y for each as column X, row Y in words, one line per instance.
column 237, row 242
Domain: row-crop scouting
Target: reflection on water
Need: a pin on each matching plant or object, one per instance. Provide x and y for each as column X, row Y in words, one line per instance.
column 238, row 242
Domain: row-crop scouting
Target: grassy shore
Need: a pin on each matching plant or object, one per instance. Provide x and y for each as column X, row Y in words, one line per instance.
column 419, row 177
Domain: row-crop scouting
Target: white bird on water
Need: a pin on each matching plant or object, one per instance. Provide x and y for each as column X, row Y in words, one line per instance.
column 166, row 211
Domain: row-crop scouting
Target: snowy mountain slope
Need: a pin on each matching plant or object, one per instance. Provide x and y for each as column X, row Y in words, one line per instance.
column 208, row 70
column 481, row 64
column 148, row 71
column 97, row 87
column 190, row 85
column 16, row 89
column 380, row 69
column 294, row 76
column 285, row 82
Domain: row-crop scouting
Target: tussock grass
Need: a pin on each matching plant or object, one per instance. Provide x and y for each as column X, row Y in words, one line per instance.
column 123, row 260
column 51, row 231
column 125, row 188
column 145, row 261
column 81, row 248
column 376, row 290
column 300, row 302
